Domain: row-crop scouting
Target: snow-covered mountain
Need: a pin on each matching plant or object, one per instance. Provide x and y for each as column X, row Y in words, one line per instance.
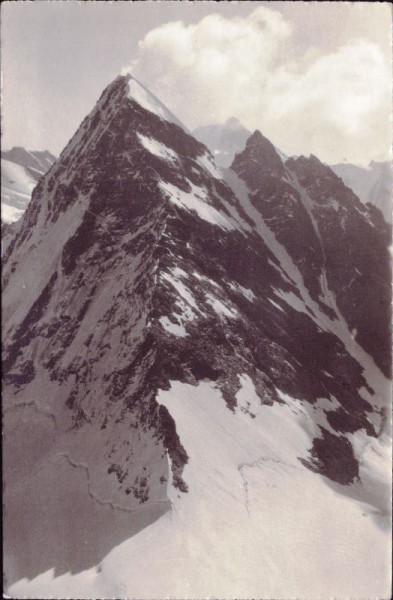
column 196, row 367
column 20, row 171
column 373, row 184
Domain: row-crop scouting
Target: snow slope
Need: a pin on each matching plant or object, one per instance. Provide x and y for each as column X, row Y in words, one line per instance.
column 255, row 523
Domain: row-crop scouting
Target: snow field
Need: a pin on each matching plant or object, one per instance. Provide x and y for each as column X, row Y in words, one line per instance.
column 255, row 522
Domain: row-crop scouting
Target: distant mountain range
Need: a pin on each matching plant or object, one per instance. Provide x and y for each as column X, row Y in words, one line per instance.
column 373, row 184
column 20, row 171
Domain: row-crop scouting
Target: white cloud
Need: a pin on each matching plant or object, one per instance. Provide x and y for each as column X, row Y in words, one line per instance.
column 334, row 104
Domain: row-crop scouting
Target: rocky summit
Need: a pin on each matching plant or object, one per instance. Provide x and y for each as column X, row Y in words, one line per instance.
column 196, row 371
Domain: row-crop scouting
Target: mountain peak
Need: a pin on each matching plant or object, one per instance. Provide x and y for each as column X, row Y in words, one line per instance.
column 257, row 139
column 170, row 309
column 138, row 93
column 260, row 150
column 233, row 122
column 308, row 166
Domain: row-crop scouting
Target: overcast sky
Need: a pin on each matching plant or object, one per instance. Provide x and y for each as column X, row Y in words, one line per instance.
column 313, row 77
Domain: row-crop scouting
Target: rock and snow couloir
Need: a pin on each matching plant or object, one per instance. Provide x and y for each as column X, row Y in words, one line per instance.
column 196, row 367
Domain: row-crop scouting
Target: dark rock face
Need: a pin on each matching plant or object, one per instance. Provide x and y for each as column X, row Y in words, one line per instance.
column 333, row 456
column 327, row 230
column 355, row 242
column 153, row 269
column 26, row 331
column 259, row 152
column 330, row 236
column 281, row 207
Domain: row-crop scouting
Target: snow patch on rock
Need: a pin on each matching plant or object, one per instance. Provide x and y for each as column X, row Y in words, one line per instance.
column 178, row 272
column 207, row 163
column 293, row 300
column 181, row 289
column 173, row 328
column 247, row 293
column 157, row 148
column 220, row 308
column 196, row 200
column 276, row 305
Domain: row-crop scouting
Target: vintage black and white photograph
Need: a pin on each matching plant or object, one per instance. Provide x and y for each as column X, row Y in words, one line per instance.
column 196, row 214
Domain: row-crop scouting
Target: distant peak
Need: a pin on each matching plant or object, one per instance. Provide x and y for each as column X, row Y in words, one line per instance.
column 233, row 122
column 17, row 150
